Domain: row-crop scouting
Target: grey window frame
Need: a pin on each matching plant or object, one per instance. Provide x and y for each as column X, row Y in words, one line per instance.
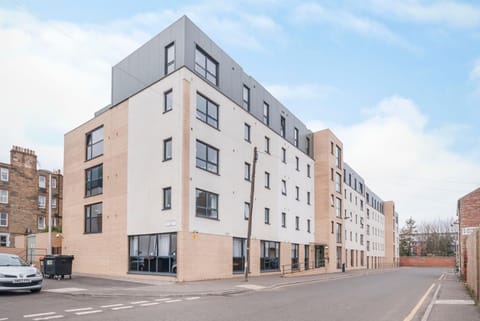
column 308, row 170
column 284, row 187
column 297, row 163
column 308, row 226
column 284, row 155
column 246, row 210
column 168, row 100
column 295, row 136
column 266, row 215
column 3, row 192
column 267, row 145
column 90, row 144
column 4, row 214
column 169, row 63
column 207, row 208
column 246, row 103
column 297, row 223
column 88, row 180
column 282, row 126
column 267, row 180
column 88, row 220
column 297, row 193
column 266, row 113
column 167, row 146
column 247, row 132
column 4, row 174
column 207, row 116
column 207, row 160
column 203, row 70
column 284, row 219
column 246, row 171
column 167, row 198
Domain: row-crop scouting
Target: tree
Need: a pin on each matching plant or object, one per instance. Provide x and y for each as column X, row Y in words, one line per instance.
column 437, row 238
column 407, row 238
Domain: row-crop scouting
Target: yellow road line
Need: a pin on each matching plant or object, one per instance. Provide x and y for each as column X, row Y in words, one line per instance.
column 419, row 304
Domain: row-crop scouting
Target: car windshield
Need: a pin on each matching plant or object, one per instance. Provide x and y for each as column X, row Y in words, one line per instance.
column 11, row 260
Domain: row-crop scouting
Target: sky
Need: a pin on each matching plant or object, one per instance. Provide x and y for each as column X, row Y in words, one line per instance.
column 397, row 81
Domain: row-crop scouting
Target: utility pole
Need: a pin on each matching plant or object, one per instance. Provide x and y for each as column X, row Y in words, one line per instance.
column 250, row 214
column 49, row 250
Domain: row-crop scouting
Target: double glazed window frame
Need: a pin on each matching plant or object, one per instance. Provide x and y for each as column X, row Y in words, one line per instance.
column 168, row 100
column 269, row 260
column 3, row 219
column 210, row 165
column 206, row 66
column 89, row 227
column 92, row 142
column 91, row 184
column 206, row 209
column 167, row 198
column 246, row 97
column 3, row 196
column 4, row 174
column 210, row 115
column 167, row 149
column 169, row 58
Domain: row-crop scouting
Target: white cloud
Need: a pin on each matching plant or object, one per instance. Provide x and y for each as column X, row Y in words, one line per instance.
column 402, row 159
column 315, row 13
column 452, row 13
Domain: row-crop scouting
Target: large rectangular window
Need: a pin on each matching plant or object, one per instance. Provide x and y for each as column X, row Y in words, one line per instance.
column 4, row 174
column 154, row 253
column 269, row 256
column 206, row 66
column 266, row 113
column 3, row 196
column 207, row 157
column 93, row 218
column 295, row 136
column 207, row 111
column 246, row 98
column 170, row 58
column 167, row 198
column 42, row 181
column 94, row 143
column 338, row 207
column 167, row 149
column 42, row 200
column 282, row 126
column 307, row 147
column 338, row 157
column 94, row 180
column 3, row 219
column 295, row 255
column 239, row 254
column 41, row 222
column 338, row 182
column 206, row 204
column 339, row 233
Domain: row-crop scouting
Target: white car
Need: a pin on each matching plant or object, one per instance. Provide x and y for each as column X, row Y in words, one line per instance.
column 16, row 274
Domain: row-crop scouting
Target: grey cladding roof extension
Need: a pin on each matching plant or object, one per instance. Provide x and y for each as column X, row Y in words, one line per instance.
column 146, row 65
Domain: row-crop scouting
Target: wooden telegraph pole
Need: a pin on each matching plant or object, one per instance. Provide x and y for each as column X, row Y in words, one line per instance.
column 250, row 214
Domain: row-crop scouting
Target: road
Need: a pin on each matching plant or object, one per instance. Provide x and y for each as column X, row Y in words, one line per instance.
column 387, row 296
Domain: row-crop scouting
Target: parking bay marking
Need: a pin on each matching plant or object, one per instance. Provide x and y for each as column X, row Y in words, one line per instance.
column 139, row 302
column 193, row 298
column 172, row 301
column 38, row 314
column 149, row 304
column 58, row 316
column 122, row 307
column 164, row 299
column 3, row 319
column 77, row 310
column 88, row 312
column 111, row 305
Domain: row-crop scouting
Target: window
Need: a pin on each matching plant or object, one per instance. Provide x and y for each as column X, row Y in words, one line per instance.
column 3, row 219
column 93, row 218
column 267, row 180
column 308, row 170
column 207, row 157
column 294, row 255
column 332, row 225
column 170, row 58
column 284, row 155
column 307, row 143
column 308, row 198
column 267, row 215
column 297, row 223
column 297, row 163
column 206, row 204
column 167, row 198
column 282, row 126
column 239, row 254
column 206, row 66
column 4, row 240
column 338, row 157
column 284, row 187
column 246, row 132
column 284, row 219
column 361, row 205
column 338, row 207
column 94, row 180
column 42, row 181
column 41, row 222
column 338, row 182
column 207, row 111
column 54, row 202
column 167, row 149
column 339, row 233
column 246, row 98
column 154, row 253
column 297, row 193
column 167, row 101
column 332, row 173
column 266, row 113
column 269, row 256
column 246, row 210
column 308, row 225
column 4, row 174
column 267, row 145
column 3, row 196
column 95, row 143
column 331, row 148
column 42, row 201
column 295, row 136
column 54, row 182
column 247, row 171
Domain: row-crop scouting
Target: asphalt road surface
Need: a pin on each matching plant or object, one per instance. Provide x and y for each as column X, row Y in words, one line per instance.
column 388, row 296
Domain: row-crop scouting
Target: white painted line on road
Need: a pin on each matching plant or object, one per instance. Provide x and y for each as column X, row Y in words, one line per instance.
column 79, row 309
column 441, row 277
column 58, row 316
column 111, row 305
column 164, row 299
column 121, row 308
column 65, row 290
column 412, row 313
column 193, row 298
column 149, row 304
column 38, row 314
column 172, row 301
column 3, row 319
column 466, row 302
column 139, row 302
column 430, row 306
column 251, row 286
column 88, row 312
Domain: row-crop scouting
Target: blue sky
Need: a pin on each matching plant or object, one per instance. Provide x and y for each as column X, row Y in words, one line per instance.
column 398, row 81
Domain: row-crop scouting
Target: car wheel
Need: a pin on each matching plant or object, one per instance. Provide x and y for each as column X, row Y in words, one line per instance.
column 35, row 290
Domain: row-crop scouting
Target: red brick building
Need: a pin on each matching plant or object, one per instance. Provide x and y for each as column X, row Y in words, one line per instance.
column 468, row 212
column 24, row 197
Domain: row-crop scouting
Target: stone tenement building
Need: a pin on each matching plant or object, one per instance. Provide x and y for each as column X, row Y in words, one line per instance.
column 24, row 197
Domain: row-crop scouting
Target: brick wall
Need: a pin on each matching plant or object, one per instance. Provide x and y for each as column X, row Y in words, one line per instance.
column 468, row 217
column 427, row 261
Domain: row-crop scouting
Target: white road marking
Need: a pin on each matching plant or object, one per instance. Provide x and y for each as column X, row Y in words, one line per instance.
column 441, row 277
column 149, row 304
column 111, row 305
column 58, row 316
column 65, row 290
column 466, row 302
column 88, row 312
column 3, row 319
column 251, row 286
column 79, row 309
column 430, row 306
column 164, row 299
column 412, row 313
column 38, row 314
column 139, row 302
column 121, row 308
column 193, row 298
column 171, row 301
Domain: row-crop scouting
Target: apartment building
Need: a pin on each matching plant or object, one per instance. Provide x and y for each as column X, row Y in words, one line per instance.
column 375, row 220
column 24, row 197
column 392, row 249
column 354, row 217
column 159, row 181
